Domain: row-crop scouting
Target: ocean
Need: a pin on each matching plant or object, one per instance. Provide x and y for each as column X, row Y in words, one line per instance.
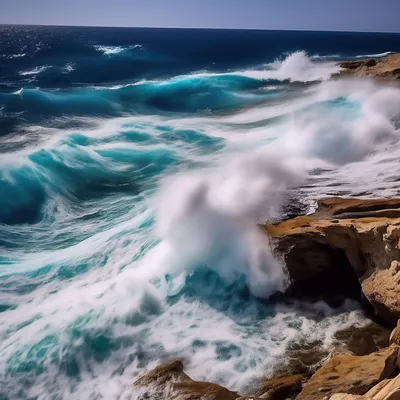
column 135, row 165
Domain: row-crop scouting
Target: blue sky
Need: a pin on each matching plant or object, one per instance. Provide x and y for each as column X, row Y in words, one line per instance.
column 349, row 15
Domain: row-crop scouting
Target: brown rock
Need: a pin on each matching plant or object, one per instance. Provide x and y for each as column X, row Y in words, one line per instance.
column 350, row 374
column 282, row 387
column 395, row 335
column 169, row 382
column 382, row 289
column 385, row 68
column 358, row 63
column 388, row 389
column 343, row 240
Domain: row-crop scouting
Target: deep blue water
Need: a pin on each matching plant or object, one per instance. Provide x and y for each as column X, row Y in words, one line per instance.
column 134, row 166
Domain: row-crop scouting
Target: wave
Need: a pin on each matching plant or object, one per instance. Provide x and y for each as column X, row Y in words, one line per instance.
column 152, row 220
column 378, row 55
column 198, row 92
column 69, row 67
column 35, row 71
column 113, row 50
column 11, row 56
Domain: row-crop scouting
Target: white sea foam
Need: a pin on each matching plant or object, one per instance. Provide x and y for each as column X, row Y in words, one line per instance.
column 11, row 56
column 111, row 50
column 69, row 67
column 378, row 55
column 35, row 71
column 129, row 294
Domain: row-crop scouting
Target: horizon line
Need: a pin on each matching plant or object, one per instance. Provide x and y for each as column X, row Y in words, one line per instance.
column 193, row 28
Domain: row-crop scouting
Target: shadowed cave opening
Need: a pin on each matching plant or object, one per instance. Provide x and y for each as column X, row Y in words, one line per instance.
column 335, row 282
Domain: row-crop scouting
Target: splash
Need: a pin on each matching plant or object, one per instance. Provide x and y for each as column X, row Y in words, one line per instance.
column 210, row 219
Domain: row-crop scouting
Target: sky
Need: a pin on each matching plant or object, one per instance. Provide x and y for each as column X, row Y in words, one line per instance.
column 343, row 15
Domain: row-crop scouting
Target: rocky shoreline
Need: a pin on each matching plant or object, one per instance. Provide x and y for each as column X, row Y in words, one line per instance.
column 348, row 247
column 383, row 68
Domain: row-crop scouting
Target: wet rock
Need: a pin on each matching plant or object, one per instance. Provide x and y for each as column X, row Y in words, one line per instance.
column 350, row 374
column 169, row 382
column 346, row 246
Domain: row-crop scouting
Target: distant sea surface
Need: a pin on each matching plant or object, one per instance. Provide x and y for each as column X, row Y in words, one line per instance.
column 134, row 166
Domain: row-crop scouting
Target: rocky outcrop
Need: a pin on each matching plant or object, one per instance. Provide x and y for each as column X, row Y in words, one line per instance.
column 168, row 381
column 345, row 240
column 350, row 374
column 282, row 387
column 388, row 389
column 385, row 68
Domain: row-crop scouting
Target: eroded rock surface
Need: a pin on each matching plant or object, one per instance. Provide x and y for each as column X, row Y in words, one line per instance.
column 345, row 239
column 282, row 387
column 385, row 68
column 169, row 382
column 350, row 374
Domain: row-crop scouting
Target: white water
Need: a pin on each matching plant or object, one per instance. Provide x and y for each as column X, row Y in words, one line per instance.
column 205, row 216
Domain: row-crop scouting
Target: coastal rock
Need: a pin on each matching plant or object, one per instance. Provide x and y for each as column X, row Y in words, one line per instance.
column 382, row 289
column 282, row 387
column 385, row 68
column 345, row 243
column 350, row 374
column 388, row 389
column 395, row 335
column 168, row 382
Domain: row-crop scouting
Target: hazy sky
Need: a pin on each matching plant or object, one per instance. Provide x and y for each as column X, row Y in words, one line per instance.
column 354, row 15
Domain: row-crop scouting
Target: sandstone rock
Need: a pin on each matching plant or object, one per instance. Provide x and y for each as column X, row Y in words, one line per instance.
column 382, row 289
column 388, row 389
column 344, row 396
column 395, row 335
column 343, row 240
column 350, row 374
column 282, row 387
column 169, row 382
column 385, row 68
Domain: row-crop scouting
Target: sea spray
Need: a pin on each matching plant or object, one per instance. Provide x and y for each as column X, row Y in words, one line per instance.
column 209, row 218
column 194, row 131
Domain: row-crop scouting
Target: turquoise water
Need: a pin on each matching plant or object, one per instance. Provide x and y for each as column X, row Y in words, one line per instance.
column 132, row 177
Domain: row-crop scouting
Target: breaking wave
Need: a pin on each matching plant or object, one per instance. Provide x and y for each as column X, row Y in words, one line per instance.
column 129, row 210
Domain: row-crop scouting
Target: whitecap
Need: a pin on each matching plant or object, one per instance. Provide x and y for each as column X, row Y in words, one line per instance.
column 69, row 67
column 112, row 50
column 378, row 55
column 35, row 71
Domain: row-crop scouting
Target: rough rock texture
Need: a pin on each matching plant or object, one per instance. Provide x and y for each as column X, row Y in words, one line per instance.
column 395, row 335
column 382, row 289
column 350, row 374
column 281, row 387
column 388, row 389
column 342, row 240
column 168, row 381
column 386, row 67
